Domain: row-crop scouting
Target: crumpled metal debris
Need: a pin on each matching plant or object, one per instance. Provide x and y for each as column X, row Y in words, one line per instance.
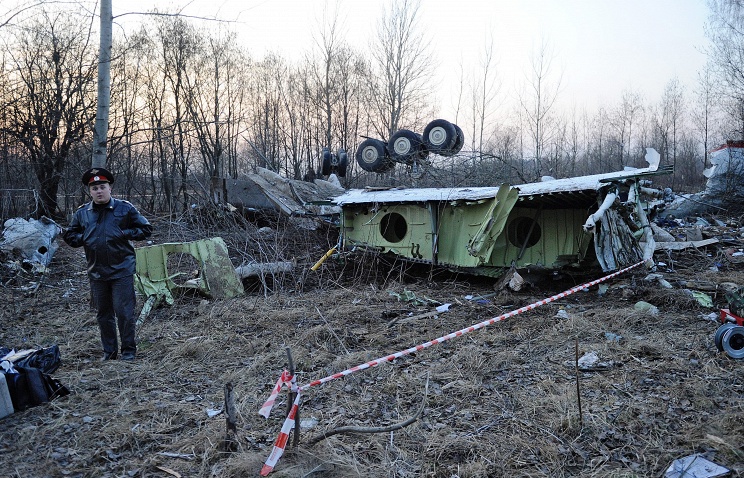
column 695, row 466
column 33, row 240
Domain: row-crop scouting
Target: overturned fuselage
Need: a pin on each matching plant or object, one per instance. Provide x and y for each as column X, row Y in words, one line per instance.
column 551, row 224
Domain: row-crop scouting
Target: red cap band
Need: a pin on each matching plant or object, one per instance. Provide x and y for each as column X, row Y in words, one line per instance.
column 96, row 179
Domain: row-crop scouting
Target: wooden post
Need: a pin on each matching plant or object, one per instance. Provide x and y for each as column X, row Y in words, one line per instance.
column 290, row 402
column 231, row 429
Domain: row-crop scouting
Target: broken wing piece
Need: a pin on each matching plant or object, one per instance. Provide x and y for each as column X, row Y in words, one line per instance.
column 493, row 224
column 653, row 158
column 217, row 276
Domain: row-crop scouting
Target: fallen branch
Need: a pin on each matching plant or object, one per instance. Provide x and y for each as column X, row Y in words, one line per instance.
column 389, row 428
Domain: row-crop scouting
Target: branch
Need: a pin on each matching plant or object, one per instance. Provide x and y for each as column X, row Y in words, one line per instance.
column 177, row 14
column 390, row 428
column 20, row 10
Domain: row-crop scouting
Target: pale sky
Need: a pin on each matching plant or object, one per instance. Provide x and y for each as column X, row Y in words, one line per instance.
column 600, row 47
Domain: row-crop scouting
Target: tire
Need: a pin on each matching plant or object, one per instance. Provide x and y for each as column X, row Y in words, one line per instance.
column 720, row 331
column 440, row 137
column 326, row 164
column 405, row 146
column 343, row 162
column 733, row 342
column 371, row 155
column 460, row 141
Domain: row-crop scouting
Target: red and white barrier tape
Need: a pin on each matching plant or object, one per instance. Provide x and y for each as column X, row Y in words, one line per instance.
column 281, row 441
column 284, row 379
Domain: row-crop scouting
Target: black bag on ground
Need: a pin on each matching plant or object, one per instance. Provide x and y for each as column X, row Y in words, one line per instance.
column 47, row 360
column 30, row 387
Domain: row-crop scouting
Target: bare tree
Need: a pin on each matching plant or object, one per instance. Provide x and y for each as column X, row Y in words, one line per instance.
column 598, row 143
column 704, row 112
column 733, row 109
column 178, row 43
column 267, row 90
column 725, row 31
column 484, row 92
column 671, row 111
column 576, row 137
column 538, row 101
column 8, row 16
column 402, row 67
column 299, row 116
column 325, row 73
column 622, row 120
column 212, row 83
column 336, row 80
column 726, row 53
column 50, row 101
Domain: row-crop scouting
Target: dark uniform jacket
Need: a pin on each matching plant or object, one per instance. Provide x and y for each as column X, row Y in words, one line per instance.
column 104, row 231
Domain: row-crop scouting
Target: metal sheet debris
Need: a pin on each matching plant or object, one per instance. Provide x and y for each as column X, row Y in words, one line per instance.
column 267, row 191
column 216, row 276
column 722, row 187
column 33, row 240
column 695, row 466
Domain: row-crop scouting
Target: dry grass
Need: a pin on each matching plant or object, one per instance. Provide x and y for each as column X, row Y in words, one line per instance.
column 501, row 401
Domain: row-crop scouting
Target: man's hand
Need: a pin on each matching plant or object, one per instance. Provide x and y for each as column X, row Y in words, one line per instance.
column 68, row 236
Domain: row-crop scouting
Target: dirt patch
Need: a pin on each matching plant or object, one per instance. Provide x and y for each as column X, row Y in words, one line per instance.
column 505, row 400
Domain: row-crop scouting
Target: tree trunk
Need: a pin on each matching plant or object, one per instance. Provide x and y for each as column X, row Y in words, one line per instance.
column 49, row 186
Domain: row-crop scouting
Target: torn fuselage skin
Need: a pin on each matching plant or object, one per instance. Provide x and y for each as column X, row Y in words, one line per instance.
column 547, row 225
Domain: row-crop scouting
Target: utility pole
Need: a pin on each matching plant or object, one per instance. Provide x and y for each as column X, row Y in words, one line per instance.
column 100, row 130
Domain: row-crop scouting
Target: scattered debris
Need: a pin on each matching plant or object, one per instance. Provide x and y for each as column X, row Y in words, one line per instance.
column 305, row 202
column 613, row 337
column 561, row 314
column 679, row 245
column 643, row 306
column 695, row 466
column 435, row 313
column 660, row 279
column 410, row 297
column 215, row 274
column 518, row 364
column 589, row 362
column 33, row 240
column 259, row 269
column 308, row 423
column 722, row 187
column 701, row 297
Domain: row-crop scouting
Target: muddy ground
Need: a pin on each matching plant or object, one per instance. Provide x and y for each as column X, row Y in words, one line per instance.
column 505, row 400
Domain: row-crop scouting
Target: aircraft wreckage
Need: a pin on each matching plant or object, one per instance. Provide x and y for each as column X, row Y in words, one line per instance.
column 580, row 221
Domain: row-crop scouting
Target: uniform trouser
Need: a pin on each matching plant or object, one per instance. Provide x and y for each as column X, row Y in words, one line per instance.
column 114, row 299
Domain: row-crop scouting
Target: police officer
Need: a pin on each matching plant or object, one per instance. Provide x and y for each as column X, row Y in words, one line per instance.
column 104, row 228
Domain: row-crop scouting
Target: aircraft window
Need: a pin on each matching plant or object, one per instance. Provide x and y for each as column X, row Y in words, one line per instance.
column 519, row 232
column 393, row 227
